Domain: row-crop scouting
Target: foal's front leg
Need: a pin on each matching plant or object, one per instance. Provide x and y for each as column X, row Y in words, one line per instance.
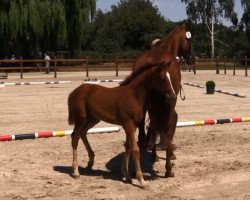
column 169, row 145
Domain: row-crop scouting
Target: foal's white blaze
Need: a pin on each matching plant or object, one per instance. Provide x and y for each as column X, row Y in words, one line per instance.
column 168, row 75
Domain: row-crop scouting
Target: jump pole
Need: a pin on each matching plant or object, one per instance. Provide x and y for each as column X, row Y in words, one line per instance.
column 48, row 134
column 36, row 83
column 213, row 121
column 96, row 81
column 217, row 90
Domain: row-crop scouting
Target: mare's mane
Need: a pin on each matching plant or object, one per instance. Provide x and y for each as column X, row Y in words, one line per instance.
column 135, row 74
column 170, row 35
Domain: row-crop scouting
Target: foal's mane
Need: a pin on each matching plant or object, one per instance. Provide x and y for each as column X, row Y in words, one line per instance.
column 135, row 74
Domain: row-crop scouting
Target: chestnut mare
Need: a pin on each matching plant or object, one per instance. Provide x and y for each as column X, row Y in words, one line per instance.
column 162, row 113
column 122, row 105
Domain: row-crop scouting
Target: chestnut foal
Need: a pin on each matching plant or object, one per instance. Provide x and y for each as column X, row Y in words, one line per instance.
column 88, row 104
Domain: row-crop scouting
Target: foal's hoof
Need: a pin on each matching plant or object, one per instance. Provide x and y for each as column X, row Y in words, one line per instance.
column 144, row 185
column 75, row 176
column 169, row 174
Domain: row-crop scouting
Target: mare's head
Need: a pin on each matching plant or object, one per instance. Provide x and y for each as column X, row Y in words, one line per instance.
column 179, row 42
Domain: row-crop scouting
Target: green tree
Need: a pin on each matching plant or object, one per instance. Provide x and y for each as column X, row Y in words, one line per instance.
column 210, row 12
column 132, row 24
column 78, row 13
column 29, row 26
column 245, row 20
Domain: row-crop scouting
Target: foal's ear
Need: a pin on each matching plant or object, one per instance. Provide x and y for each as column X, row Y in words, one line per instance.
column 163, row 66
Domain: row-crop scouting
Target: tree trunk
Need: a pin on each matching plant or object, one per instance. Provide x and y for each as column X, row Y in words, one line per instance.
column 212, row 37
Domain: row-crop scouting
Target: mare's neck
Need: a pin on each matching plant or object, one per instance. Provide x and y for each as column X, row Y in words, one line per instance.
column 172, row 46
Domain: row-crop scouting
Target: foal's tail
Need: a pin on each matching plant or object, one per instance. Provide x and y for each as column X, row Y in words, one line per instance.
column 71, row 116
column 76, row 108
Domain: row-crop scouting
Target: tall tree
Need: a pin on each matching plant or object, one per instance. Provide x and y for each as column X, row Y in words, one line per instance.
column 78, row 13
column 44, row 24
column 245, row 20
column 131, row 24
column 25, row 24
column 210, row 12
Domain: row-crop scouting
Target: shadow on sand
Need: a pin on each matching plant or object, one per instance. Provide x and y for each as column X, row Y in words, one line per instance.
column 113, row 171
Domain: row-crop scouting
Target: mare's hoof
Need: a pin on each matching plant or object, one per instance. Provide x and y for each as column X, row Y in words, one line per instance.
column 169, row 175
column 173, row 157
column 128, row 180
column 174, row 147
column 154, row 159
column 90, row 165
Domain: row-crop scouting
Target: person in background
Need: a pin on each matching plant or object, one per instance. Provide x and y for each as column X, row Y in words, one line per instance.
column 47, row 63
column 13, row 58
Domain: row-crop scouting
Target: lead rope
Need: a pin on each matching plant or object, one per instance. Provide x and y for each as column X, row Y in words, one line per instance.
column 182, row 98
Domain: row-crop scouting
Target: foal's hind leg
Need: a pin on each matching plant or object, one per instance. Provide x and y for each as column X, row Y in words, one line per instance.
column 91, row 123
column 74, row 142
column 131, row 146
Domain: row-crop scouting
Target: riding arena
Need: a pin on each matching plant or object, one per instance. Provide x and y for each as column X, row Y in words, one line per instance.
column 212, row 161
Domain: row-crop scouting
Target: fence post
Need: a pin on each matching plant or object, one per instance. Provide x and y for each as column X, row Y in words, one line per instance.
column 87, row 67
column 217, row 65
column 225, row 65
column 234, row 65
column 245, row 65
column 21, row 71
column 55, row 66
column 116, row 65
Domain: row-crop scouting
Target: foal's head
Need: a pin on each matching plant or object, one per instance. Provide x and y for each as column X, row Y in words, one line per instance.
column 161, row 81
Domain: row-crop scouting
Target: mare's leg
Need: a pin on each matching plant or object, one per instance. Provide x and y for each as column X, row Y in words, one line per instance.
column 91, row 123
column 132, row 147
column 151, row 140
column 74, row 142
column 142, row 134
column 168, row 142
column 152, row 134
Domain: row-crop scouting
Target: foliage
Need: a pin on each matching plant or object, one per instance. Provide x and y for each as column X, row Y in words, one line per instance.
column 210, row 14
column 28, row 27
column 36, row 25
column 203, row 10
column 210, row 84
column 132, row 24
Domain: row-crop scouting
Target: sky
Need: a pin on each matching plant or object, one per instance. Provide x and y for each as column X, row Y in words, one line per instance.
column 173, row 10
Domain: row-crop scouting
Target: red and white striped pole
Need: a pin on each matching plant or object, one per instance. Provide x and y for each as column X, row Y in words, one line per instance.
column 48, row 134
column 213, row 121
